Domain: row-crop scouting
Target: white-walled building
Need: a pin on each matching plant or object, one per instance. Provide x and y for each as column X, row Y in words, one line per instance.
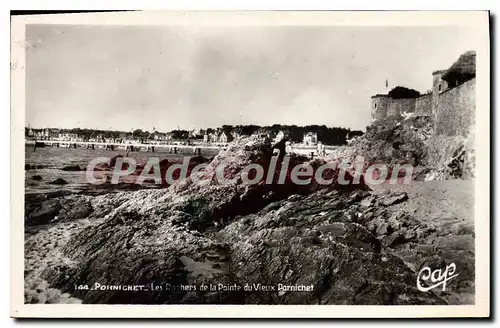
column 310, row 139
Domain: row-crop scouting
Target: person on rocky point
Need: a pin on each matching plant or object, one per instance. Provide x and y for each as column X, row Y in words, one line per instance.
column 288, row 148
column 279, row 148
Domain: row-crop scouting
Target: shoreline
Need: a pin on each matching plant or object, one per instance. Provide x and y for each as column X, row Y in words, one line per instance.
column 355, row 243
column 47, row 245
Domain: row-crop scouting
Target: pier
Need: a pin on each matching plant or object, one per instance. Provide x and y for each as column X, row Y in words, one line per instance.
column 172, row 148
column 134, row 146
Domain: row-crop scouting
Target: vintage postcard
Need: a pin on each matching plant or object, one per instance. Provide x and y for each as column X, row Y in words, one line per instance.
column 251, row 164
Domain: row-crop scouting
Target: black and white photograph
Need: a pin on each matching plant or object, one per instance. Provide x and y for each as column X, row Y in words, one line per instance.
column 251, row 158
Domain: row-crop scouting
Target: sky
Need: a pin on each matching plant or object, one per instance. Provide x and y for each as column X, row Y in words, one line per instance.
column 169, row 77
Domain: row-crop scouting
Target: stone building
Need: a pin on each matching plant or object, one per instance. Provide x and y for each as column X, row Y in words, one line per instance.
column 450, row 105
column 457, row 82
column 310, row 139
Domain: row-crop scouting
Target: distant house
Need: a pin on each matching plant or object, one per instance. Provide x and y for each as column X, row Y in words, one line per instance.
column 205, row 138
column 49, row 133
column 38, row 134
column 310, row 139
column 213, row 138
column 66, row 136
column 225, row 137
column 159, row 136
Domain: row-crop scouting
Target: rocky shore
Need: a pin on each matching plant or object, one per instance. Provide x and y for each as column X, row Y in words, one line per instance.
column 352, row 244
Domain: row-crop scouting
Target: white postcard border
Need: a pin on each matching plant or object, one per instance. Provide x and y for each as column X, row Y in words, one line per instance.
column 478, row 20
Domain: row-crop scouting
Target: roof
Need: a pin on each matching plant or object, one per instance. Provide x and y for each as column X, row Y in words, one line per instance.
column 439, row 71
column 379, row 95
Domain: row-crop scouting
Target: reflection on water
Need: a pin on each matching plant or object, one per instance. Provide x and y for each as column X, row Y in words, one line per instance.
column 50, row 160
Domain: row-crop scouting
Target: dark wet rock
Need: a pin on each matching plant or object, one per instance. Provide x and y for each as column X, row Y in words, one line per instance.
column 132, row 247
column 42, row 212
column 307, row 241
column 359, row 195
column 35, row 198
column 73, row 209
column 382, row 229
column 365, row 217
column 375, row 224
column 37, row 177
column 32, row 167
column 393, row 198
column 368, row 201
column 72, row 168
column 398, row 220
column 384, row 135
column 341, row 259
column 441, row 253
column 50, row 209
column 396, row 238
column 111, row 164
column 58, row 181
column 410, row 234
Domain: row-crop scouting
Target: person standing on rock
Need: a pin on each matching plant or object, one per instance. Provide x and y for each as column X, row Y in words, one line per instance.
column 279, row 149
column 288, row 148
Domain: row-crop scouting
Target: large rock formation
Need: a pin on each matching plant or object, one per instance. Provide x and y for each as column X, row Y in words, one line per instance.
column 412, row 141
column 334, row 240
column 403, row 142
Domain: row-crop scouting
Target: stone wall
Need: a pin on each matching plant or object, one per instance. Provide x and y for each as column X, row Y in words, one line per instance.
column 400, row 106
column 456, row 110
column 438, row 86
column 423, row 105
column 451, row 109
column 453, row 114
column 453, row 130
column 380, row 105
column 441, row 148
